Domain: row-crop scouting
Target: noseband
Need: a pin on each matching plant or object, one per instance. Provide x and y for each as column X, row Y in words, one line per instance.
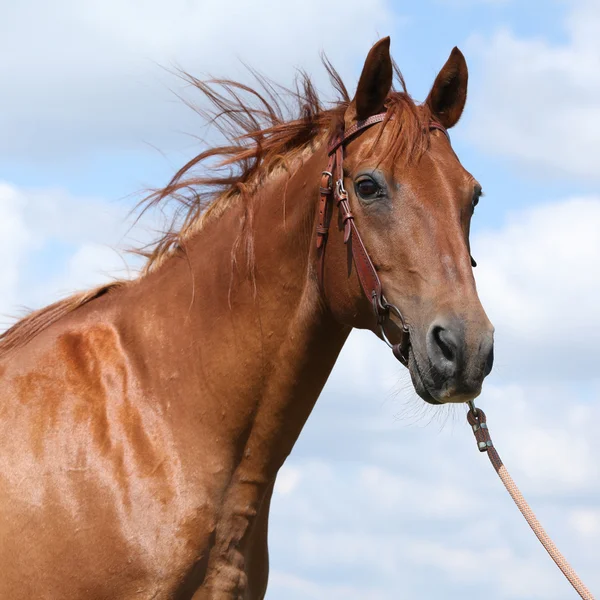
column 332, row 190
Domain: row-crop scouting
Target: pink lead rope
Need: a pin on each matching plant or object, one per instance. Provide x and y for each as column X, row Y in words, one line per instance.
column 477, row 420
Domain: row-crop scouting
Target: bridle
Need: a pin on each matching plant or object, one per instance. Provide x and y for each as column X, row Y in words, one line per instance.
column 332, row 189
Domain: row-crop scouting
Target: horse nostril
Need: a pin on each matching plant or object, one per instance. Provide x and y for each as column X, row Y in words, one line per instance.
column 445, row 341
column 459, row 358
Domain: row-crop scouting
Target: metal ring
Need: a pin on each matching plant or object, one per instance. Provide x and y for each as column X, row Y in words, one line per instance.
column 385, row 305
column 384, row 337
column 382, row 308
column 473, row 408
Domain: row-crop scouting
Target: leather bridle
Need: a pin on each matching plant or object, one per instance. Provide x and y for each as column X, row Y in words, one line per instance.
column 332, row 189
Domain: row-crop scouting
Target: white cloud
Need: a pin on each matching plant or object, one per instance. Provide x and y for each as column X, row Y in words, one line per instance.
column 54, row 243
column 543, row 438
column 287, row 480
column 89, row 265
column 57, row 214
column 291, row 587
column 586, row 522
column 497, row 568
column 438, row 500
column 539, row 281
column 86, row 75
column 15, row 240
column 539, row 102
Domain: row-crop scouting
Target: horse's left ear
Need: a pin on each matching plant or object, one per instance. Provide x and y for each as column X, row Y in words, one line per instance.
column 448, row 95
column 375, row 81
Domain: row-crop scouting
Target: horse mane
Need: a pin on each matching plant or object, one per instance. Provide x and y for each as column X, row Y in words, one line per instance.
column 35, row 322
column 263, row 128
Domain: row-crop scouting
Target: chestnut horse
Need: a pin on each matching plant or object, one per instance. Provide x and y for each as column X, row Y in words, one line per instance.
column 143, row 423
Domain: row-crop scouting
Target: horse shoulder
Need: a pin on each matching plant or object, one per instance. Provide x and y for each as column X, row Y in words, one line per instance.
column 85, row 448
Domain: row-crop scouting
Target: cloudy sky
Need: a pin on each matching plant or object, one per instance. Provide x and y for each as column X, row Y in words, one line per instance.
column 382, row 498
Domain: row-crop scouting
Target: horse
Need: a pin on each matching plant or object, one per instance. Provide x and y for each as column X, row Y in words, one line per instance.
column 143, row 423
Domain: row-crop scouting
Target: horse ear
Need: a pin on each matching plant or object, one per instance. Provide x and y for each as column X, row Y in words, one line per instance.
column 448, row 95
column 375, row 81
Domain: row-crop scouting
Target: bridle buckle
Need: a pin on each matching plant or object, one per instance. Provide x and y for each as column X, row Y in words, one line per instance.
column 340, row 190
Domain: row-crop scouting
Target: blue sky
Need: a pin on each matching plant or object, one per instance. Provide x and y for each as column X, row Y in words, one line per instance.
column 382, row 497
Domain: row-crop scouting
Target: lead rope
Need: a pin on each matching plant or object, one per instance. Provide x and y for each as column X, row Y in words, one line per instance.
column 477, row 420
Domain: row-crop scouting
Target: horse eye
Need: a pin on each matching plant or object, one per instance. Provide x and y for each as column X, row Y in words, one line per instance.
column 367, row 188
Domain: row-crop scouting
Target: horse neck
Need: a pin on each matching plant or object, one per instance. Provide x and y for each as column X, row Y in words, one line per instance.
column 244, row 335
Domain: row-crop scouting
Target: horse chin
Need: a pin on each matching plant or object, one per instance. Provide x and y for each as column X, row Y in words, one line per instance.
column 426, row 388
column 419, row 381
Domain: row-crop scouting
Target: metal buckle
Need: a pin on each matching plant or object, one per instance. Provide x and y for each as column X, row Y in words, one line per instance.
column 340, row 190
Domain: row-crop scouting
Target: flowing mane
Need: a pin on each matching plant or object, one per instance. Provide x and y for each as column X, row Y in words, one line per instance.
column 263, row 128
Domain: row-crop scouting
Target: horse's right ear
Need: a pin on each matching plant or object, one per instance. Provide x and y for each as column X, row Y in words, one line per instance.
column 448, row 95
column 375, row 81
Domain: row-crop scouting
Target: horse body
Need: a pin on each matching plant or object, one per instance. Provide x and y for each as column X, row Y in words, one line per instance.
column 173, row 423
column 144, row 424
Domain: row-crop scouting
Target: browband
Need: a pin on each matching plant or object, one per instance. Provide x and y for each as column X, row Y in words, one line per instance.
column 366, row 123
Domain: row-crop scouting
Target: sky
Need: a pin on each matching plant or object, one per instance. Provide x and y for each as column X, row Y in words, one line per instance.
column 382, row 497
